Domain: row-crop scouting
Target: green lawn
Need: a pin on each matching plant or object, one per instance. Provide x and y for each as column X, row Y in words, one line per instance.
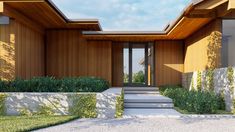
column 27, row 123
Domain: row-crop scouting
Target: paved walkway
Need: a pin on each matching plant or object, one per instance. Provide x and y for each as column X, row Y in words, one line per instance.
column 157, row 124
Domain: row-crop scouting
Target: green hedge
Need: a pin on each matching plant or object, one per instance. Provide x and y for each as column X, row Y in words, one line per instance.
column 195, row 101
column 50, row 84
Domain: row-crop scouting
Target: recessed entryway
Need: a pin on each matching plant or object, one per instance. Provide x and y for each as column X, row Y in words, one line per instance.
column 138, row 64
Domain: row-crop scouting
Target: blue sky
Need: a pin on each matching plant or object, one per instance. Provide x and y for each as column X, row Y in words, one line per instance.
column 123, row 15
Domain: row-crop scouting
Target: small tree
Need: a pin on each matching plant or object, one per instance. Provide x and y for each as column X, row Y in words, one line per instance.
column 138, row 77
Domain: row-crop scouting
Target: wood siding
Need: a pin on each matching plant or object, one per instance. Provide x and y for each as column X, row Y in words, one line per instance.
column 168, row 62
column 69, row 55
column 117, row 64
column 22, row 51
column 196, row 48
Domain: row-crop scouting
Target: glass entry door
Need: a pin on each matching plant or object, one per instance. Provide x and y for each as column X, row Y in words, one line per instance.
column 138, row 64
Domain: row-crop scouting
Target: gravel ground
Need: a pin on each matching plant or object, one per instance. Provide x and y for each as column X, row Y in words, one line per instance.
column 154, row 124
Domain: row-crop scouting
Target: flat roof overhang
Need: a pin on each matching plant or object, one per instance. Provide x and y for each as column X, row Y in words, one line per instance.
column 182, row 30
column 195, row 16
column 46, row 14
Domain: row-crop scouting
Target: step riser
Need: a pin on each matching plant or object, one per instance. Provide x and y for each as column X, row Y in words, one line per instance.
column 143, row 102
column 141, row 92
column 147, row 106
column 148, row 101
column 141, row 89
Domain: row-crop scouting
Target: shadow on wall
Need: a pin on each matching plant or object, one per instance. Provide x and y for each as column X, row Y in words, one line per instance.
column 170, row 74
column 213, row 50
column 7, row 57
column 31, row 103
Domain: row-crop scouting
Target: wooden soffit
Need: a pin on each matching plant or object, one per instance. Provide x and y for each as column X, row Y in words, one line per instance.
column 45, row 13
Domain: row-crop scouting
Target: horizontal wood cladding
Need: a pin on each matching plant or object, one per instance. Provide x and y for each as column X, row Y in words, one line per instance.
column 197, row 50
column 69, row 55
column 168, row 62
column 22, row 52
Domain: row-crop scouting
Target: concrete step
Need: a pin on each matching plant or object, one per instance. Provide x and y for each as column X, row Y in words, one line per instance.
column 143, row 113
column 141, row 89
column 146, row 98
column 141, row 92
column 149, row 105
column 146, row 101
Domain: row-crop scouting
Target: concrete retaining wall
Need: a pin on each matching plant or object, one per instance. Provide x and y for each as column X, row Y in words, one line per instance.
column 220, row 83
column 16, row 103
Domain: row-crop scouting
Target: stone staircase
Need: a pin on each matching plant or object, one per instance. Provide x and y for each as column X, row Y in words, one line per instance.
column 146, row 99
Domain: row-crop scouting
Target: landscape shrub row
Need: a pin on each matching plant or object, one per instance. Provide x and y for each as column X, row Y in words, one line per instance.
column 50, row 84
column 200, row 102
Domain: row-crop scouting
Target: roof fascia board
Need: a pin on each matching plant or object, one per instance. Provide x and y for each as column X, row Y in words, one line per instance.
column 124, row 33
column 210, row 4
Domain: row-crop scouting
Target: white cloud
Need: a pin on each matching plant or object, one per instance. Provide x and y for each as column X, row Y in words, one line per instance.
column 124, row 14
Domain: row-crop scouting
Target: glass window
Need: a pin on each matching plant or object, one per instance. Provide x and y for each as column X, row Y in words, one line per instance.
column 126, row 63
column 228, row 43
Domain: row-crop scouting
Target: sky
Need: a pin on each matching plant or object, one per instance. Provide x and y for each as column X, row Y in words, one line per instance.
column 125, row 15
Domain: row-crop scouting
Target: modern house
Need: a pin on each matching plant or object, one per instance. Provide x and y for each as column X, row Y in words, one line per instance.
column 36, row 39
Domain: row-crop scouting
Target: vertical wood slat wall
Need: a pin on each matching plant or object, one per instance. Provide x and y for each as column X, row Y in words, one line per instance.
column 196, row 47
column 69, row 55
column 169, row 62
column 22, row 51
column 117, row 64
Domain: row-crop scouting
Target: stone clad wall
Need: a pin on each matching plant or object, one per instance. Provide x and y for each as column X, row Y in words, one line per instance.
column 59, row 103
column 220, row 83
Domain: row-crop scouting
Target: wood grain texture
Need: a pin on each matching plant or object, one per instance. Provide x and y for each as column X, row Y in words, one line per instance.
column 117, row 64
column 22, row 51
column 69, row 55
column 196, row 47
column 168, row 62
column 15, row 14
column 45, row 15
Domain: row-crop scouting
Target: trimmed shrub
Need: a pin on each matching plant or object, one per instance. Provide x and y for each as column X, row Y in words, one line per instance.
column 50, row 84
column 3, row 85
column 195, row 101
column 38, row 84
column 84, row 84
column 163, row 88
